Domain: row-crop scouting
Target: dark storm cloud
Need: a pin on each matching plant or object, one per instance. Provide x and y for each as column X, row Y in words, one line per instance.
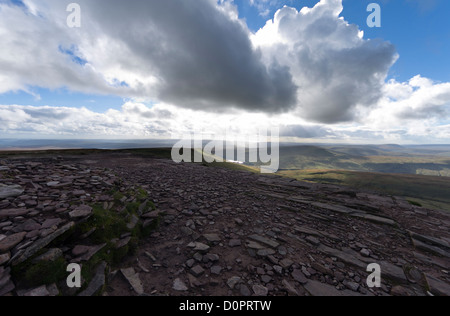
column 203, row 59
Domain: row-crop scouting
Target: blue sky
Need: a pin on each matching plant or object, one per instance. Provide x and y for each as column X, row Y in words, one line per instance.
column 133, row 70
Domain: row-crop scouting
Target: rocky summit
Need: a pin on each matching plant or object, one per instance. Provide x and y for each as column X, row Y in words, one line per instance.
column 148, row 226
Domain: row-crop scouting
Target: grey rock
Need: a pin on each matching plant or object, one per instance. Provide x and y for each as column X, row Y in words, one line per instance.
column 98, row 281
column 50, row 255
column 313, row 240
column 179, row 285
column 233, row 281
column 11, row 241
column 13, row 213
column 80, row 250
column 216, row 270
column 437, row 287
column 7, row 191
column 432, row 249
column 198, row 257
column 198, row 246
column 4, row 258
column 133, row 278
column 212, row 237
column 187, row 231
column 211, row 258
column 6, row 284
column 133, row 222
column 265, row 241
column 239, row 221
column 365, row 253
column 38, row 292
column 197, row 271
column 352, row 286
column 307, row 231
column 122, row 242
column 298, row 276
column 375, row 219
column 260, row 290
column 289, row 288
column 316, row 288
column 81, row 212
column 286, row 263
column 41, row 243
column 190, row 263
column 265, row 252
column 392, row 272
column 53, row 289
column 278, row 269
column 255, row 245
column 91, row 251
column 346, row 257
column 244, row 290
column 431, row 240
column 402, row 291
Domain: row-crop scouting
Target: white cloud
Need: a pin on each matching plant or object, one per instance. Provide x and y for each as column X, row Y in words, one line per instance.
column 308, row 71
column 337, row 71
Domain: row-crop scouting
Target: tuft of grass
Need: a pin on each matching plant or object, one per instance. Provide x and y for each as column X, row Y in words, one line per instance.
column 40, row 273
column 414, row 203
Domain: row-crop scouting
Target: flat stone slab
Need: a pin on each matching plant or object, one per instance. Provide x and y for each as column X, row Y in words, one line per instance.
column 50, row 255
column 179, row 286
column 254, row 245
column 298, row 276
column 40, row 243
column 4, row 258
column 38, row 292
column 81, row 212
column 97, row 282
column 307, row 231
column 431, row 240
column 89, row 252
column 134, row 280
column 197, row 271
column 375, row 219
column 266, row 252
column 260, row 290
column 212, row 237
column 11, row 241
column 316, row 288
column 233, row 281
column 13, row 213
column 266, row 241
column 7, row 191
column 433, row 249
column 198, row 246
column 437, row 287
column 393, row 272
column 334, row 208
column 345, row 257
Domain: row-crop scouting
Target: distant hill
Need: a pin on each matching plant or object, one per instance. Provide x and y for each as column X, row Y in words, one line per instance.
column 427, row 191
column 421, row 160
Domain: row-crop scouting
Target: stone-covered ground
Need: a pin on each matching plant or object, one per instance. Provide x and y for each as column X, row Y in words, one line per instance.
column 218, row 232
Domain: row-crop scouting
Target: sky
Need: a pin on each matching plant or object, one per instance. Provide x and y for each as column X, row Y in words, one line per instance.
column 154, row 69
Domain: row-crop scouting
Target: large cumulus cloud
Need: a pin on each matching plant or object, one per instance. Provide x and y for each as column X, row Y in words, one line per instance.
column 336, row 69
column 193, row 53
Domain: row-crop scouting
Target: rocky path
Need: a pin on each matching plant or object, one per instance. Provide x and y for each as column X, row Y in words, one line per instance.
column 222, row 232
column 235, row 233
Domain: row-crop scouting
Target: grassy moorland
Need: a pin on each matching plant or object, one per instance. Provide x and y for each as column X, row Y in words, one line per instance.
column 427, row 191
